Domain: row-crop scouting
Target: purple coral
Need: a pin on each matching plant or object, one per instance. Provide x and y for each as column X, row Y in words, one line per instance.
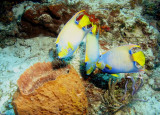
column 134, row 84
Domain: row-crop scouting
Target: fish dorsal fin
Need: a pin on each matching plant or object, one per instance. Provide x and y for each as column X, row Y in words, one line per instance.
column 108, row 66
column 139, row 58
column 70, row 46
column 84, row 21
column 57, row 41
column 132, row 46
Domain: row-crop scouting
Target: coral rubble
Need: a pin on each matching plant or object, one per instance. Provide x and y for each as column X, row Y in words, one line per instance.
column 65, row 95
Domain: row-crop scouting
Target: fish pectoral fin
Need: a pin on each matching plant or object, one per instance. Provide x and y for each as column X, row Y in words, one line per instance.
column 70, row 45
column 108, row 66
column 115, row 75
column 84, row 21
column 63, row 53
column 99, row 65
column 139, row 58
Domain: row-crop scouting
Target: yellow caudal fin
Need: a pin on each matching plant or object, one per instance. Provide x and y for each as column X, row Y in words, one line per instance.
column 115, row 75
column 70, row 46
column 84, row 21
column 94, row 28
column 139, row 58
column 108, row 66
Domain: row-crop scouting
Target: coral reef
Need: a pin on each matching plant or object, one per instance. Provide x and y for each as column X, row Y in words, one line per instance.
column 65, row 95
column 152, row 8
column 44, row 20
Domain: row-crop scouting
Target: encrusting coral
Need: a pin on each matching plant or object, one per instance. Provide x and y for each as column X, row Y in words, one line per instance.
column 64, row 95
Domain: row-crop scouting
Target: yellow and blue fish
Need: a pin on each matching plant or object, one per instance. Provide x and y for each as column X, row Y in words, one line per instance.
column 121, row 60
column 71, row 35
column 92, row 50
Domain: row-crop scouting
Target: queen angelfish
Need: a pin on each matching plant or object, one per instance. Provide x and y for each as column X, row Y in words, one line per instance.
column 121, row 60
column 92, row 50
column 71, row 35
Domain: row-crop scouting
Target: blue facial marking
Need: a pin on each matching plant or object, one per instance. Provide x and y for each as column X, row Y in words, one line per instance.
column 90, row 32
column 76, row 22
column 130, row 52
column 83, row 28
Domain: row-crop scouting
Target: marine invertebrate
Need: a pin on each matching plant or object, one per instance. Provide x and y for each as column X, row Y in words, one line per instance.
column 65, row 95
column 37, row 75
column 135, row 86
column 118, row 95
column 57, row 64
column 113, row 97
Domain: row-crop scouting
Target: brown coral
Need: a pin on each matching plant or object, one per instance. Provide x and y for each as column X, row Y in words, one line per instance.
column 44, row 20
column 37, row 75
column 63, row 96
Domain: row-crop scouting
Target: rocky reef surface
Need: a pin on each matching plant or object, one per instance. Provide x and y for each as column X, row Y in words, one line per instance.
column 29, row 33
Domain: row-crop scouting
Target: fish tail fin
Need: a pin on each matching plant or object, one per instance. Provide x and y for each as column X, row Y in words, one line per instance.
column 139, row 58
column 94, row 28
column 84, row 21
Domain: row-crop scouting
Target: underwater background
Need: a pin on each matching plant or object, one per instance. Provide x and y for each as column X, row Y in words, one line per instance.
column 34, row 81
